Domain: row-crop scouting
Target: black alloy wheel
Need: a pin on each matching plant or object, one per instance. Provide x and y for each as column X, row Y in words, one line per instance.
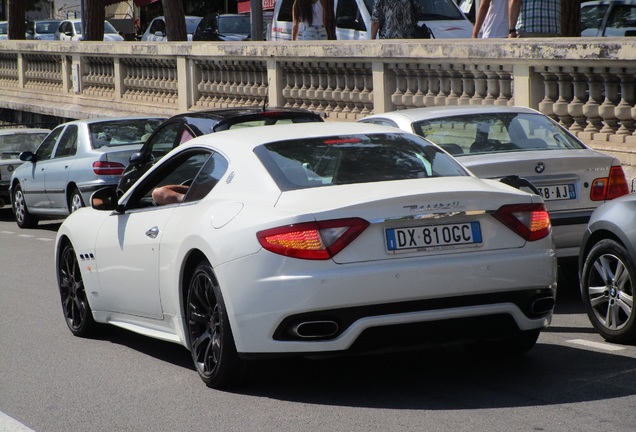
column 77, row 311
column 607, row 290
column 211, row 341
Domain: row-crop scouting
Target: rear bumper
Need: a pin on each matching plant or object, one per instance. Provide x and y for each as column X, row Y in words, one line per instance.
column 399, row 295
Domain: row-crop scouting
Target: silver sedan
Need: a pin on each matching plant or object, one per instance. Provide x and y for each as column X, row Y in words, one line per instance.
column 73, row 161
column 521, row 143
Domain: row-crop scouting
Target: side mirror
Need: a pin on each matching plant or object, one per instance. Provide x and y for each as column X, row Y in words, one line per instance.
column 27, row 156
column 104, row 199
column 136, row 158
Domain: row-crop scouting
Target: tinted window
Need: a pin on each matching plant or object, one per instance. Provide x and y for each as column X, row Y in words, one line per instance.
column 592, row 16
column 496, row 132
column 46, row 148
column 285, row 11
column 234, row 24
column 163, row 141
column 19, row 142
column 207, row 178
column 314, row 162
column 67, row 145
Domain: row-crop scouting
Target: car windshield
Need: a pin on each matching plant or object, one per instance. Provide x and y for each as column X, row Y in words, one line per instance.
column 108, row 28
column 234, row 24
column 3, row 28
column 495, row 132
column 12, row 145
column 121, row 132
column 46, row 27
column 326, row 161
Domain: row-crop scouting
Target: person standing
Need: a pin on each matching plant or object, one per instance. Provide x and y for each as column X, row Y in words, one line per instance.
column 314, row 20
column 534, row 18
column 395, row 19
column 492, row 19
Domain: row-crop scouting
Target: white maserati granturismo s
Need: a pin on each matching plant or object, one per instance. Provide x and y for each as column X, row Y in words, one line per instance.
column 309, row 239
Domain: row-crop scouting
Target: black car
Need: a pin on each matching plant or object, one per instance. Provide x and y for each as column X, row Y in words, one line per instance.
column 223, row 27
column 183, row 127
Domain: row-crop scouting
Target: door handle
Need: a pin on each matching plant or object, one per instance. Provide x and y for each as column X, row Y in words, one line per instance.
column 153, row 232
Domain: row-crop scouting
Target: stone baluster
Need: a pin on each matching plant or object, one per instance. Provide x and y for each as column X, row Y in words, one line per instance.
column 422, row 87
column 444, row 86
column 366, row 95
column 481, row 87
column 410, row 81
column 624, row 108
column 357, row 80
column 400, row 86
column 560, row 107
column 607, row 110
column 329, row 89
column 505, row 87
column 576, row 107
column 305, row 74
column 551, row 93
column 594, row 100
column 433, row 85
column 455, row 85
column 321, row 82
column 468, row 86
column 347, row 104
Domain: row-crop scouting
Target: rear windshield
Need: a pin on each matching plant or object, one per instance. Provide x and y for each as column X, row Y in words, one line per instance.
column 495, row 133
column 316, row 162
column 267, row 118
column 12, row 145
column 122, row 132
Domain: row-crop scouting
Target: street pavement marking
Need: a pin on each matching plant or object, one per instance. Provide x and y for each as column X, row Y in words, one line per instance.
column 44, row 239
column 8, row 424
column 7, row 232
column 25, row 235
column 597, row 345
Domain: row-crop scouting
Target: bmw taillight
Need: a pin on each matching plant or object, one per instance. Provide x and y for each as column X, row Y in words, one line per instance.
column 530, row 221
column 108, row 168
column 312, row 240
column 608, row 188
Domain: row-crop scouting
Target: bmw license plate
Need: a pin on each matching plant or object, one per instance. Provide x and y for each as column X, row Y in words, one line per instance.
column 423, row 237
column 557, row 192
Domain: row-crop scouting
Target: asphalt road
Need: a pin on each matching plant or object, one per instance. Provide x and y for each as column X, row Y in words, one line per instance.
column 51, row 381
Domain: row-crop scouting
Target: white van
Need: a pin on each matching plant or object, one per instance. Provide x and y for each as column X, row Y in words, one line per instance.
column 353, row 19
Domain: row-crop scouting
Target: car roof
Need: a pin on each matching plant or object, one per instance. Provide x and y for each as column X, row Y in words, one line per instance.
column 445, row 111
column 12, row 131
column 249, row 138
column 228, row 113
column 110, row 119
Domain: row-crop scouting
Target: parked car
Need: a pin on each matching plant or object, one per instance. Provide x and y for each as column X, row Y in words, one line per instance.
column 223, row 27
column 156, row 31
column 12, row 142
column 4, row 30
column 71, row 30
column 608, row 18
column 310, row 239
column 496, row 142
column 42, row 30
column 608, row 269
column 74, row 160
column 183, row 127
column 353, row 19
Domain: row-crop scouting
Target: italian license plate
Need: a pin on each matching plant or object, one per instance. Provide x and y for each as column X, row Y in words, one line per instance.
column 404, row 239
column 557, row 192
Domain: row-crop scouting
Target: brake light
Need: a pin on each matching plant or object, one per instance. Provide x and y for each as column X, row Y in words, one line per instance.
column 312, row 240
column 108, row 168
column 605, row 188
column 530, row 221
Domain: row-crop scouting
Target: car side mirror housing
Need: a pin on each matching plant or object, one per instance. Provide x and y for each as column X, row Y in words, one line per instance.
column 136, row 158
column 27, row 156
column 104, row 199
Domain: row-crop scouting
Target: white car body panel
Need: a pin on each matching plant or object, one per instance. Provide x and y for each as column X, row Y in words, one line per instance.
column 260, row 288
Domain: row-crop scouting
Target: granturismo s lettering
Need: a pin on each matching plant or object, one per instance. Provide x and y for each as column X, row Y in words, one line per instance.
column 437, row 206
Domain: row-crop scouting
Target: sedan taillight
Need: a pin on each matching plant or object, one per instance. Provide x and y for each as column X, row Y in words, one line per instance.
column 608, row 188
column 312, row 240
column 530, row 221
column 108, row 168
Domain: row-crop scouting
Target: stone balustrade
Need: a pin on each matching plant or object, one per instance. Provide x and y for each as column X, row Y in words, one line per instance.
column 586, row 84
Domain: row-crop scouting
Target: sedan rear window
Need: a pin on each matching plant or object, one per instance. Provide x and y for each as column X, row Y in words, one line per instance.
column 122, row 132
column 495, row 133
column 315, row 162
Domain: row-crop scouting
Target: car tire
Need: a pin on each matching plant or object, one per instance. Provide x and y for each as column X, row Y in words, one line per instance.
column 75, row 201
column 211, row 341
column 23, row 218
column 77, row 311
column 607, row 290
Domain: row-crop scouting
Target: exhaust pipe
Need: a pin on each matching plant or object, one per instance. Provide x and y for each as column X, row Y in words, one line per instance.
column 542, row 305
column 315, row 329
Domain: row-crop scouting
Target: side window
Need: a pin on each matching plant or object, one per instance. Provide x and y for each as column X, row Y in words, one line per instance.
column 592, row 16
column 208, row 177
column 46, row 148
column 163, row 141
column 67, row 145
column 158, row 26
column 181, row 170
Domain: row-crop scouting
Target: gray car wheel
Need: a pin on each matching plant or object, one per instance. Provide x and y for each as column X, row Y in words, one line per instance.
column 23, row 218
column 607, row 289
column 75, row 201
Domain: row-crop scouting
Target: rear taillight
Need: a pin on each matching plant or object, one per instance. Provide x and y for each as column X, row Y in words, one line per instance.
column 312, row 240
column 108, row 168
column 530, row 221
column 608, row 188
